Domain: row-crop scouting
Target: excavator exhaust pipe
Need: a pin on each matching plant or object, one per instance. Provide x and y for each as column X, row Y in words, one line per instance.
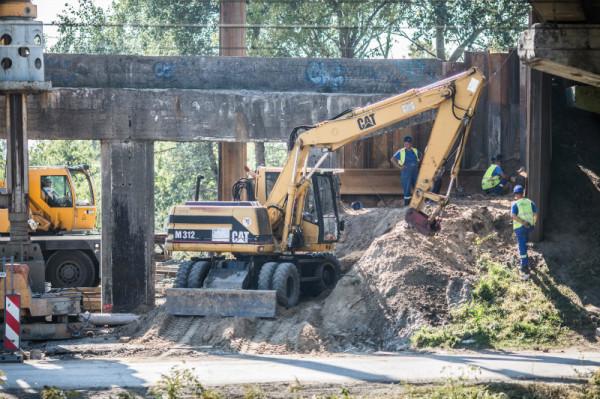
column 420, row 222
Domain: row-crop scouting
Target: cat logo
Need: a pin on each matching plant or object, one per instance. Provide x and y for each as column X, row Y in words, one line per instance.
column 366, row 122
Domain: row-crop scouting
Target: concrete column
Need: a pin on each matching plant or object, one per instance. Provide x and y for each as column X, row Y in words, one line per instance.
column 127, row 225
column 232, row 159
column 232, row 42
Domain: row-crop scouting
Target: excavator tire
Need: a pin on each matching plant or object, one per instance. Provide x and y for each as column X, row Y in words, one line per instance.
column 182, row 274
column 286, row 281
column 70, row 269
column 329, row 274
column 198, row 274
column 265, row 277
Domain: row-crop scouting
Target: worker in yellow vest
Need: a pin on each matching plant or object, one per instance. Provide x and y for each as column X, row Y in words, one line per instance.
column 407, row 159
column 494, row 180
column 524, row 215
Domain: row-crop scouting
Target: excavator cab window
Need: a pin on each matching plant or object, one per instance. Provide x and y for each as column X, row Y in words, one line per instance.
column 325, row 200
column 56, row 191
column 270, row 180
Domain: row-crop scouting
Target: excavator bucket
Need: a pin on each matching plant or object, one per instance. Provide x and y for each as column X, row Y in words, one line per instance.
column 221, row 302
column 420, row 222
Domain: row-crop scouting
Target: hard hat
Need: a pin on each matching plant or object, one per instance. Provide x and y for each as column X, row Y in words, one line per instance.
column 518, row 189
column 407, row 139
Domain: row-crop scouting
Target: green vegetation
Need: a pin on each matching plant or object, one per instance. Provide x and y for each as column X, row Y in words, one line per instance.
column 57, row 393
column 182, row 383
column 504, row 312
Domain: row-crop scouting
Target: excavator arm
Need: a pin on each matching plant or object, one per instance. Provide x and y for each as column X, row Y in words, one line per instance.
column 454, row 98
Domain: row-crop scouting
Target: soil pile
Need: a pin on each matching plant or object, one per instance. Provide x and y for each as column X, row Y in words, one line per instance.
column 399, row 281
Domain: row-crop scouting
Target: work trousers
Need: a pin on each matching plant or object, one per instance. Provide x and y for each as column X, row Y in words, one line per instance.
column 522, row 234
column 409, row 180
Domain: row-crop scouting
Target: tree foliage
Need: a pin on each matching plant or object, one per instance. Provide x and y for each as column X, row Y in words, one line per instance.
column 332, row 28
column 449, row 27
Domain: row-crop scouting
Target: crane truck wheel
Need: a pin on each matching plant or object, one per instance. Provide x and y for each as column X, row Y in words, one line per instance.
column 70, row 269
column 265, row 277
column 286, row 281
column 182, row 274
column 197, row 274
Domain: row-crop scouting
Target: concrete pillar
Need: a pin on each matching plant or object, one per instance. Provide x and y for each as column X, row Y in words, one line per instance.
column 127, row 225
column 232, row 42
column 232, row 159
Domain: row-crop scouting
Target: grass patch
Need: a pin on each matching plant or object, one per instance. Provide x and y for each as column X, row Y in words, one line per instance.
column 504, row 312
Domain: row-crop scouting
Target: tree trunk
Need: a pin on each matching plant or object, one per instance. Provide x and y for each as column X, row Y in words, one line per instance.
column 259, row 153
column 441, row 16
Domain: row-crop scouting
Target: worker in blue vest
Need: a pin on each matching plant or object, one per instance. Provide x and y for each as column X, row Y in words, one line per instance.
column 494, row 180
column 407, row 159
column 524, row 215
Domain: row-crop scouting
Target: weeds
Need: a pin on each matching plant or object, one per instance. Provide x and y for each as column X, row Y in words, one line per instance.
column 254, row 392
column 181, row 383
column 57, row 393
column 503, row 312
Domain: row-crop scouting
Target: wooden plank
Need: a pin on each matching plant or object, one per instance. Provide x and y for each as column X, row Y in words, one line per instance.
column 539, row 142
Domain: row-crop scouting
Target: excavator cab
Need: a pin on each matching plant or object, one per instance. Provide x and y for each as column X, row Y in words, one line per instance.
column 321, row 222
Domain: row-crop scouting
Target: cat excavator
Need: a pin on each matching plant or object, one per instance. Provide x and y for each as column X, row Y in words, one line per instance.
column 269, row 251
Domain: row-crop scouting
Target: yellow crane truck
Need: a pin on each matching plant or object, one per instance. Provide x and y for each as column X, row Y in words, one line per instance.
column 284, row 242
column 62, row 220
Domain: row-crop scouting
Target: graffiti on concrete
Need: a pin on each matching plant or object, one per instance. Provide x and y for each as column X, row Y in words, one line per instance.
column 164, row 70
column 327, row 76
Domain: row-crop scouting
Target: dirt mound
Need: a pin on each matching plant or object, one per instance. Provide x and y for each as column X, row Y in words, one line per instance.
column 400, row 281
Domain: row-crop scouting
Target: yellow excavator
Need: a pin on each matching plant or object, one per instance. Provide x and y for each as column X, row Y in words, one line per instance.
column 283, row 243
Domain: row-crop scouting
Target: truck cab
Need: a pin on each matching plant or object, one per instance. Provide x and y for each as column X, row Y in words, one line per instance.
column 61, row 199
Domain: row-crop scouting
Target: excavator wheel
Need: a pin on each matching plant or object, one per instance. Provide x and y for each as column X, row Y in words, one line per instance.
column 265, row 277
column 197, row 274
column 70, row 269
column 286, row 281
column 328, row 273
column 182, row 274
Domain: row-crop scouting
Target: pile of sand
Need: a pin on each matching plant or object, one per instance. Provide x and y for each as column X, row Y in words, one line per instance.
column 398, row 281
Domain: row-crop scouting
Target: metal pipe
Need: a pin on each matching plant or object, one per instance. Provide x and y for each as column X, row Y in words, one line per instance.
column 319, row 162
column 109, row 319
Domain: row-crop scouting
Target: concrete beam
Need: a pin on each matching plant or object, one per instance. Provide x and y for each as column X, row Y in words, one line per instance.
column 569, row 51
column 241, row 73
column 180, row 115
column 127, row 225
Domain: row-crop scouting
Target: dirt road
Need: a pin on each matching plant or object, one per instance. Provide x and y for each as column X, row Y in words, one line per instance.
column 339, row 369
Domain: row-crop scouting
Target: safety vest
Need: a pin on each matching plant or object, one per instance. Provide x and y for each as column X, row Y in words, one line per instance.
column 488, row 180
column 525, row 207
column 403, row 155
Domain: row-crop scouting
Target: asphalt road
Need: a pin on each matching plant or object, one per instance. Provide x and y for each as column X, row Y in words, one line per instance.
column 244, row 369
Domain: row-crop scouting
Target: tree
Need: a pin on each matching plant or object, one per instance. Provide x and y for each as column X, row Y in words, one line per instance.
column 465, row 24
column 143, row 27
column 176, row 166
column 333, row 28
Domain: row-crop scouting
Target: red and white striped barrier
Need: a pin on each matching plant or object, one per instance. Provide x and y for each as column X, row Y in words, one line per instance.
column 12, row 322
